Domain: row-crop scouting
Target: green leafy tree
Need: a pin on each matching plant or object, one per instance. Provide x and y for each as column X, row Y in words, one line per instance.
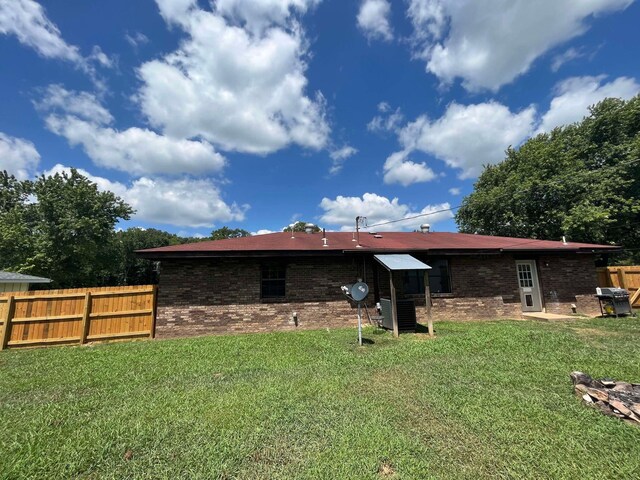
column 135, row 270
column 300, row 227
column 16, row 214
column 581, row 181
column 226, row 232
column 61, row 227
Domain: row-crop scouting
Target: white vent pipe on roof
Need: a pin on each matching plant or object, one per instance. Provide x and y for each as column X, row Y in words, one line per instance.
column 425, row 227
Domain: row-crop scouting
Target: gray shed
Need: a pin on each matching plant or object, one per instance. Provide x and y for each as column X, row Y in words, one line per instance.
column 18, row 282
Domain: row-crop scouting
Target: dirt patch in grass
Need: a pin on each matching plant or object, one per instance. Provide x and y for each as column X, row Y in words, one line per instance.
column 386, row 470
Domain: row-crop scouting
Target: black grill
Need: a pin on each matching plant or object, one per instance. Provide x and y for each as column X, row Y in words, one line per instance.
column 614, row 301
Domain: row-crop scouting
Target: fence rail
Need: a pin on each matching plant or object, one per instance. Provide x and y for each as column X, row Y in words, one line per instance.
column 624, row 276
column 79, row 315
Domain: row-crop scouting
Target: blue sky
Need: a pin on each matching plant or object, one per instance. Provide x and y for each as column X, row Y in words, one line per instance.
column 257, row 113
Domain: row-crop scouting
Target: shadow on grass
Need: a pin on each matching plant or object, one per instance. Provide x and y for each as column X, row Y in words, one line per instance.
column 423, row 328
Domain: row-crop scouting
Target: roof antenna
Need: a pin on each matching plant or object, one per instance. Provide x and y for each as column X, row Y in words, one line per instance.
column 324, row 238
column 292, row 225
column 359, row 221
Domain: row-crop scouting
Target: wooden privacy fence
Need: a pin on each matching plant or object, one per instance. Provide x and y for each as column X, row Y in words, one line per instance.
column 622, row 277
column 77, row 315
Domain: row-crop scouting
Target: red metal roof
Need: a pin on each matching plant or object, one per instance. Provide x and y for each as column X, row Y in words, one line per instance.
column 389, row 241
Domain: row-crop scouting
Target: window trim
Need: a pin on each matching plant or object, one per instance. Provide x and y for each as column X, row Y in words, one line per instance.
column 273, row 266
column 421, row 281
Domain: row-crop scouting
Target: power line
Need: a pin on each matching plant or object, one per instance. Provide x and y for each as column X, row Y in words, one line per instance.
column 413, row 217
column 450, row 209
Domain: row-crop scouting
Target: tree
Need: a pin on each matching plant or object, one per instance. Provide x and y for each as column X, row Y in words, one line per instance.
column 133, row 269
column 226, row 232
column 16, row 238
column 61, row 227
column 300, row 226
column 581, row 181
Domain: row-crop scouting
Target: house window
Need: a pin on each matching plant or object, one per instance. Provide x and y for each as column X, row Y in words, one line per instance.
column 439, row 281
column 273, row 281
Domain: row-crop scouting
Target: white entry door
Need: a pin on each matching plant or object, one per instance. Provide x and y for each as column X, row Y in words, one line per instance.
column 529, row 286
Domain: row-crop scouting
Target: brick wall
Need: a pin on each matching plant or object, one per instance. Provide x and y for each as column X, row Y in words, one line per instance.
column 223, row 295
column 567, row 280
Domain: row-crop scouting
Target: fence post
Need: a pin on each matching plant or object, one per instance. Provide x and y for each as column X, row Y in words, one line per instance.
column 154, row 310
column 622, row 277
column 86, row 318
column 6, row 322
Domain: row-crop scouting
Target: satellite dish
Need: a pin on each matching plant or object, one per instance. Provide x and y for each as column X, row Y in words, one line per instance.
column 359, row 291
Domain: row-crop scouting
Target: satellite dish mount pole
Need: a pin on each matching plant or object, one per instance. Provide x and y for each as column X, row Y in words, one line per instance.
column 359, row 325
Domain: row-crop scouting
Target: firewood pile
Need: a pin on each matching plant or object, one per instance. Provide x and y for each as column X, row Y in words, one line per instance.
column 618, row 399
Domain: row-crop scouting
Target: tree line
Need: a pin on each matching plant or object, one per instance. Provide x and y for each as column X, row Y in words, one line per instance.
column 62, row 227
column 581, row 181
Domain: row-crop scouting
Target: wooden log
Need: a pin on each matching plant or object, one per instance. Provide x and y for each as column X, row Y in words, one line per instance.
column 579, row 377
column 598, row 394
column 621, row 407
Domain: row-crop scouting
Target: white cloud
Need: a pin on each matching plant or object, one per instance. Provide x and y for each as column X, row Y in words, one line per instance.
column 84, row 105
column 489, row 44
column 184, row 202
column 98, row 56
column 246, row 90
column 373, row 19
column 27, row 20
column 339, row 156
column 342, row 212
column 19, row 157
column 384, row 107
column 399, row 169
column 136, row 39
column 82, row 120
column 264, row 231
column 257, row 16
column 454, row 191
column 465, row 138
column 387, row 121
column 568, row 55
column 576, row 94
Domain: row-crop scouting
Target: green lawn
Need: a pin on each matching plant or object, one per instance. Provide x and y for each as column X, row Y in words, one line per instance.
column 482, row 400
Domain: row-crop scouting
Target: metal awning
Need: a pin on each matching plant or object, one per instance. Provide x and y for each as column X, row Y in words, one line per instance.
column 395, row 262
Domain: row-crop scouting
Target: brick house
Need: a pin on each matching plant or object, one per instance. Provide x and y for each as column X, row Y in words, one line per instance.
column 277, row 281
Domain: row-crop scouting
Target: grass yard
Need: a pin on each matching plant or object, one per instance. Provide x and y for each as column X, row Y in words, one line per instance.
column 482, row 400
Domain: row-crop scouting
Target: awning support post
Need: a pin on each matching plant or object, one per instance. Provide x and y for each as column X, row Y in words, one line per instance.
column 427, row 297
column 394, row 306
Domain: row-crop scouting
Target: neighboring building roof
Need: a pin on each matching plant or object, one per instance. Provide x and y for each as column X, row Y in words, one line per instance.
column 274, row 244
column 10, row 277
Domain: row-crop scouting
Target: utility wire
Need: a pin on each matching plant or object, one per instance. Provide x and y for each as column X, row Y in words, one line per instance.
column 450, row 209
